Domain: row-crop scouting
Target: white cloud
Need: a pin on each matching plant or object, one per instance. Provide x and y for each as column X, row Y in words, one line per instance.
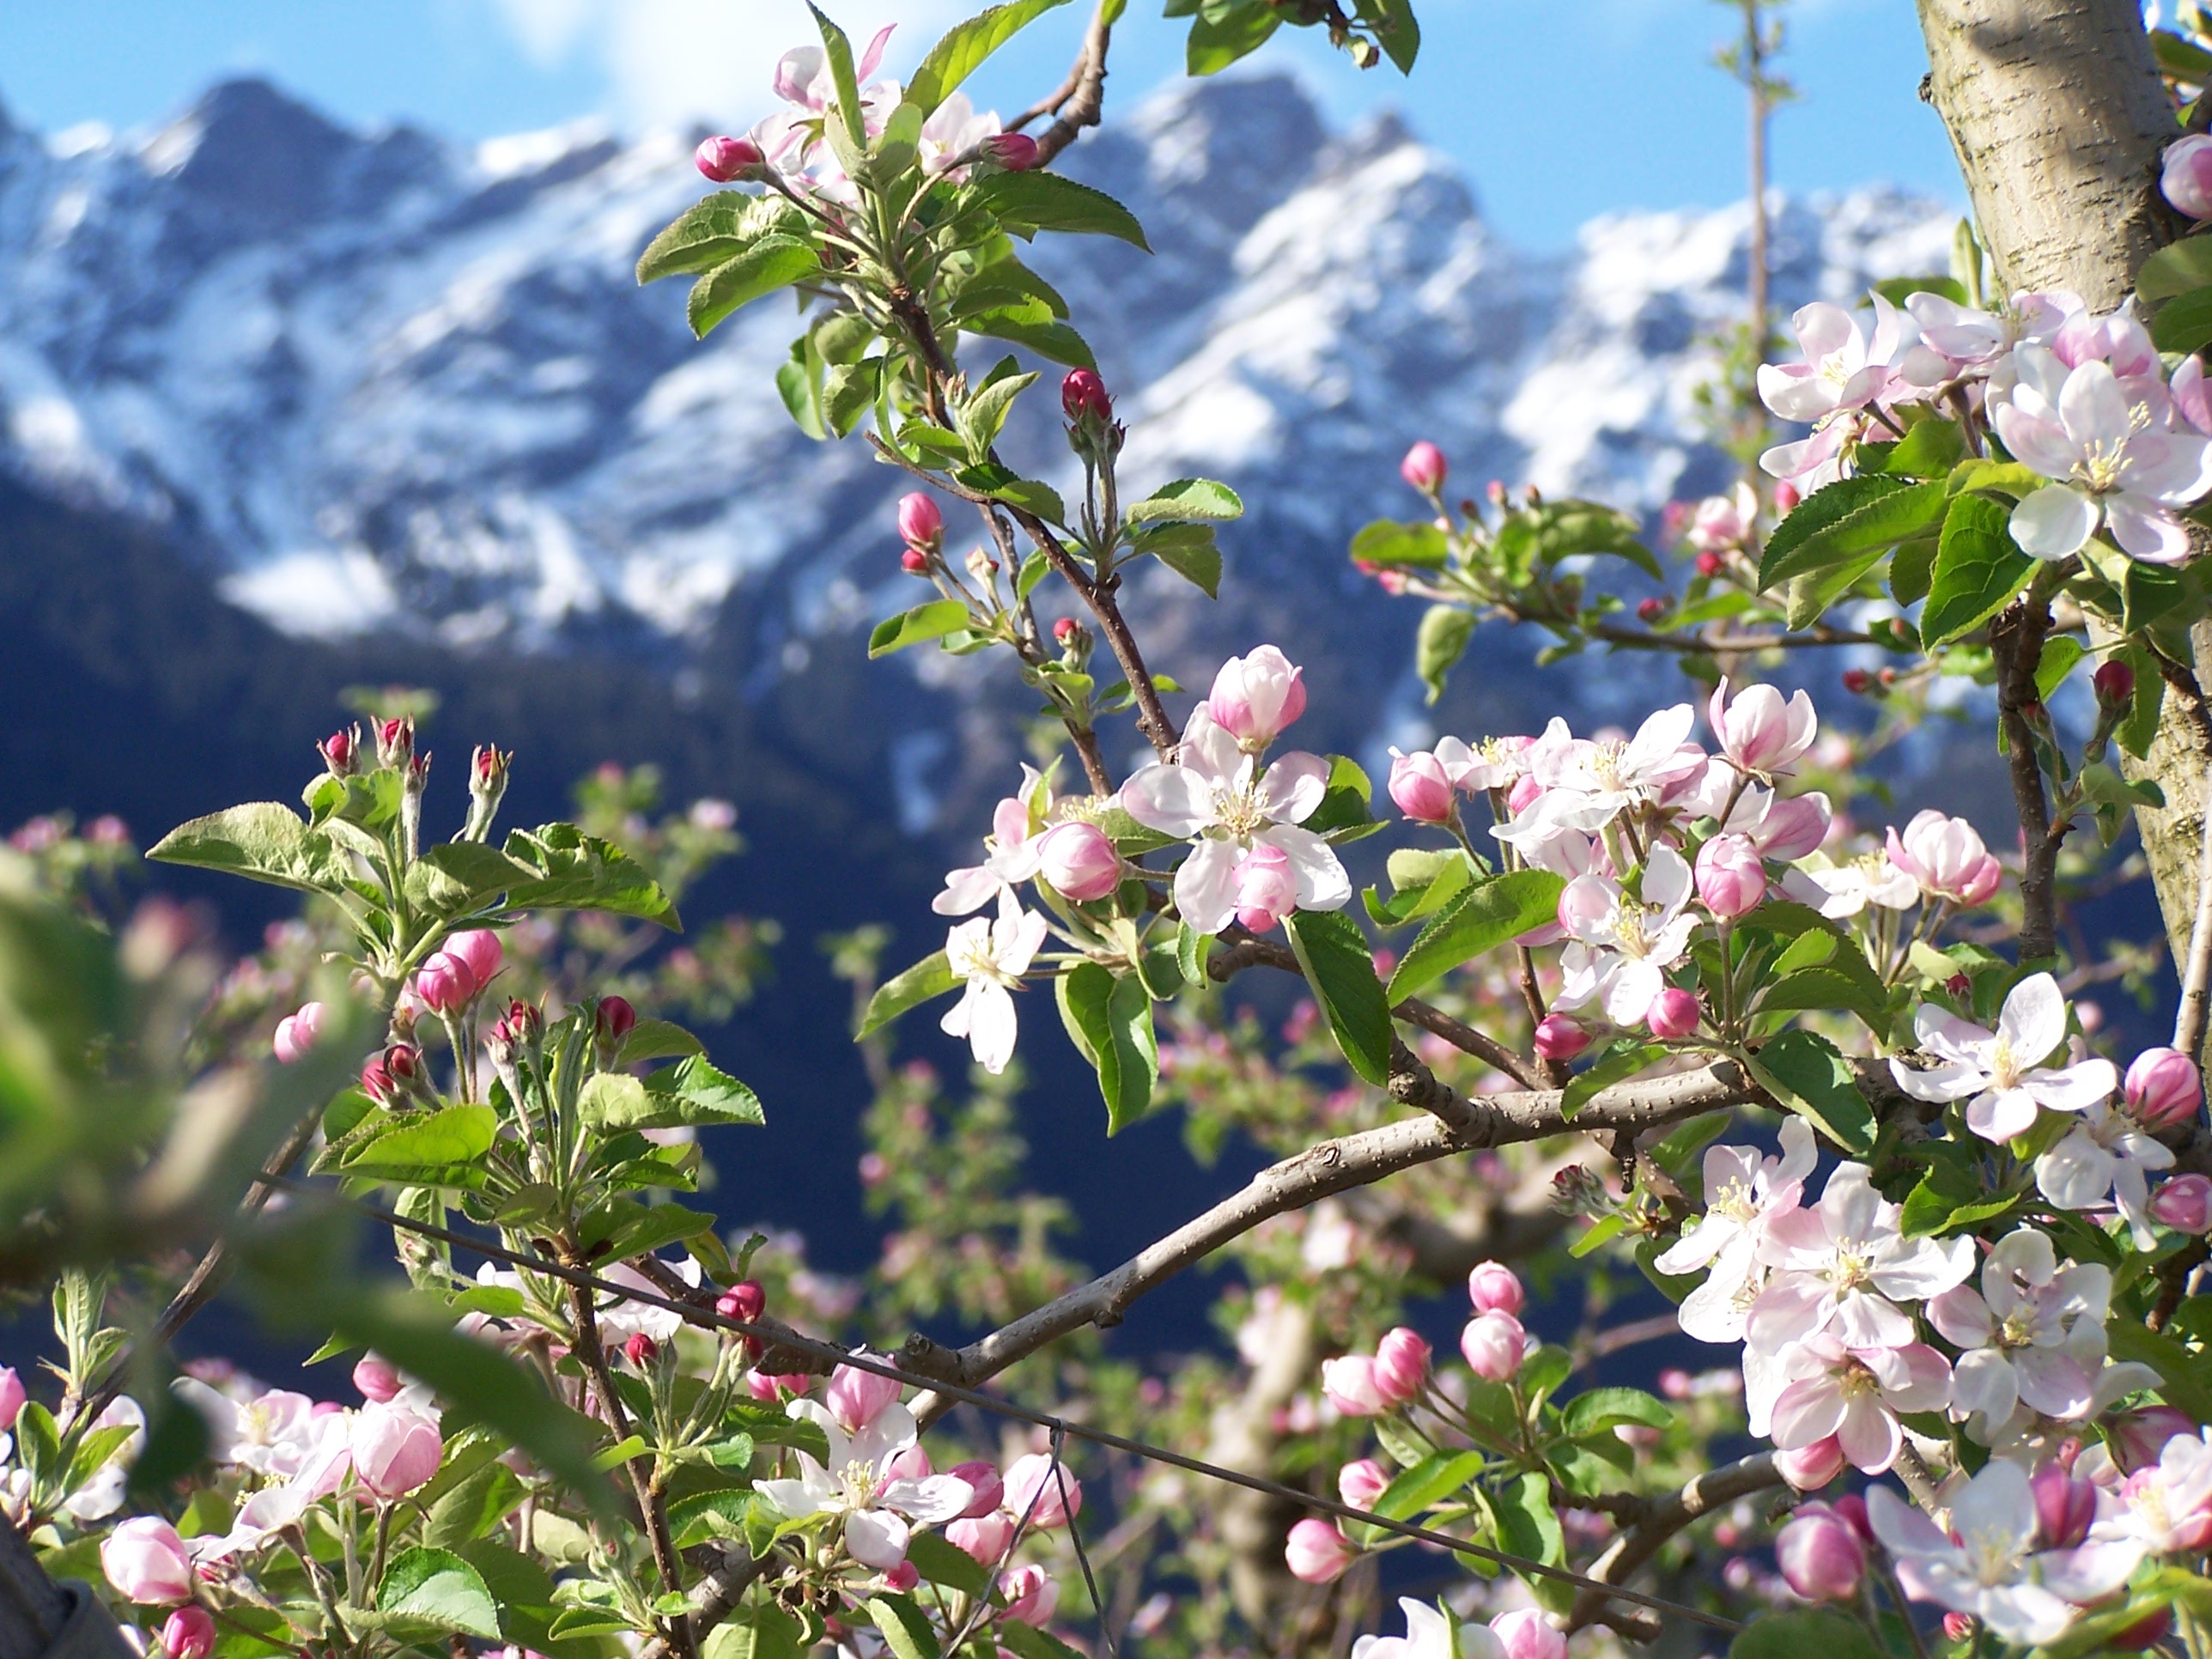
column 670, row 61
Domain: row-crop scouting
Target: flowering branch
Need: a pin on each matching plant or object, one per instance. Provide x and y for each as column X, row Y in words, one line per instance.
column 1652, row 1528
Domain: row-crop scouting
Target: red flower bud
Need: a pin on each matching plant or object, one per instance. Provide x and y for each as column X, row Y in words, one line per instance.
column 2116, row 684
column 1856, row 680
column 1651, row 611
column 1017, row 152
column 640, row 1350
column 340, row 751
column 1710, row 564
column 914, row 562
column 1063, row 629
column 395, row 742
column 921, row 522
column 612, row 1021
column 746, row 1301
column 724, row 158
column 1083, row 394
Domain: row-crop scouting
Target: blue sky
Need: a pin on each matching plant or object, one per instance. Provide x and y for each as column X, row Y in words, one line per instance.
column 1560, row 110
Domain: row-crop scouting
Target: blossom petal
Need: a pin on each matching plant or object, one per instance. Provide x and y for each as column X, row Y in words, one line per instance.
column 1998, row 1115
column 1952, row 1080
column 1322, row 883
column 2033, row 1019
column 1868, row 1435
column 1171, row 800
column 2054, row 522
column 2145, row 530
column 877, row 1538
column 2073, row 1088
column 1292, row 788
column 1206, row 886
column 1984, row 1382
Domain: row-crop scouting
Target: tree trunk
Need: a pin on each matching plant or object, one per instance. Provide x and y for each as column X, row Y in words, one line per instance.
column 2057, row 115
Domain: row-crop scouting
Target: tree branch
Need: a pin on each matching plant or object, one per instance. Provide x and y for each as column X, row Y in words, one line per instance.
column 1658, row 1523
column 2017, row 639
column 1080, row 100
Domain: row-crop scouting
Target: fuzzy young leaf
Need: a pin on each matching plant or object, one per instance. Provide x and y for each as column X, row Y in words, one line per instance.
column 709, row 233
column 924, row 623
column 1414, row 546
column 422, row 1149
column 1340, row 969
column 962, row 49
column 694, row 1094
column 263, row 840
column 1442, row 642
column 1189, row 550
column 1487, row 916
column 1979, row 568
column 573, row 871
column 1846, row 520
column 932, row 977
column 1026, row 203
column 441, row 1589
column 1186, row 500
column 1599, row 1409
column 772, row 262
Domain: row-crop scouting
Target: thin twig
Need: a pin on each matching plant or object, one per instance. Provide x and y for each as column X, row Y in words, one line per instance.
column 2196, row 979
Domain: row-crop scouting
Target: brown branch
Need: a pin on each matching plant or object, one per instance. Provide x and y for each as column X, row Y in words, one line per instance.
column 1079, row 101
column 1100, row 597
column 1660, row 1522
column 2016, row 640
column 2196, row 976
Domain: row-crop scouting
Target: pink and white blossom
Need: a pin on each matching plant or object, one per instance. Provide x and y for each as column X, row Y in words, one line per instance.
column 878, row 1509
column 1758, row 732
column 1588, row 784
column 990, row 956
column 1843, row 1265
column 2107, row 1153
column 2001, row 1074
column 1857, row 1395
column 1621, row 946
column 2033, row 1334
column 1254, row 697
column 1012, row 853
column 2169, row 1502
column 1745, row 1190
column 1428, row 1635
column 1848, row 364
column 1841, row 892
column 1946, row 857
column 2185, row 175
column 1723, row 523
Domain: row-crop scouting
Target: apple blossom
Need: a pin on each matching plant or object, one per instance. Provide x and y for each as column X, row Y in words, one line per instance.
column 877, row 1507
column 723, row 158
column 990, row 957
column 1525, row 1633
column 2169, row 1499
column 2185, row 175
column 1989, row 1567
column 2108, row 1152
column 2110, row 463
column 1621, row 946
column 1857, row 1395
column 1588, row 784
column 2138, row 1436
column 1079, row 861
column 2163, row 1089
column 1401, row 1364
column 2000, row 1074
column 1318, row 1553
column 1674, row 1014
column 1255, row 697
column 983, row 1478
column 2114, row 682
column 1420, row 787
column 1809, row 1469
column 13, row 1395
column 1758, row 732
column 1946, row 857
column 1428, row 1635
column 1214, row 794
column 1789, row 827
column 296, row 1033
column 612, row 1021
column 640, row 1350
column 145, row 1560
column 1841, row 892
column 1843, row 1265
column 1820, row 1556
column 1744, row 1192
column 1083, row 397
column 1030, row 1593
column 920, row 521
column 1494, row 1346
column 1267, row 888
column 480, row 949
column 395, row 1448
column 985, row 1538
column 745, row 1301
column 1723, row 523
column 1424, row 467
column 1350, row 1384
column 2065, row 1507
column 1847, row 366
column 1361, row 1482
column 379, row 1380
column 1731, row 876
column 857, row 1397
column 1493, row 1287
column 1040, row 1489
column 1017, row 152
column 1561, row 1037
column 1967, row 338
column 445, row 984
column 188, row 1633
column 2184, row 1204
column 2033, row 1334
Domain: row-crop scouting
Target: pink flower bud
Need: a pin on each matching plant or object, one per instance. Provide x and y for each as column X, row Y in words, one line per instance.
column 2163, row 1088
column 1793, row 826
column 188, row 1633
column 1492, row 1287
column 1030, row 1593
column 1360, row 1482
column 1731, row 878
column 2064, row 1507
column 612, row 1022
column 1821, row 1557
column 1267, row 888
column 1648, row 611
column 1318, row 1553
column 1494, row 1345
column 1401, row 1364
column 1083, row 396
column 857, row 1398
column 1079, row 861
column 1758, row 730
column 1945, row 856
column 921, row 522
column 1419, row 786
column 903, row 1577
column 1786, row 496
column 145, row 1560
column 912, row 1464
column 1853, row 1509
column 1257, row 696
column 340, row 751
column 13, row 1395
column 1958, row 1626
column 296, row 1033
column 983, row 1480
column 378, row 1379
column 1710, row 564
column 480, row 949
column 724, row 158
column 984, row 1538
column 1526, row 791
column 2115, row 684
column 1674, row 1012
column 2183, row 1204
column 1424, row 467
column 640, row 1350
column 2138, row 1436
column 1017, row 152
column 1033, row 1477
column 1560, row 1036
column 746, row 1301
column 1349, row 1383
column 396, row 1449
column 1809, row 1469
column 768, row 1388
column 1525, row 1633
column 2185, row 175
column 444, row 984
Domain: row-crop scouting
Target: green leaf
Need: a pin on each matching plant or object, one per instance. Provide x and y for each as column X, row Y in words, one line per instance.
column 773, row 262
column 1599, row 1409
column 1189, row 500
column 1545, row 534
column 711, row 232
column 962, row 49
column 1110, row 1019
column 1803, row 1633
column 848, row 390
column 577, row 872
column 1952, row 1193
column 1409, row 546
column 932, row 977
column 763, row 1631
column 904, row 1625
column 265, row 841
column 1527, row 1528
column 1978, row 569
column 1487, row 914
column 1930, row 449
column 2060, row 652
column 984, row 415
column 1847, row 521
column 1397, row 32
column 1220, row 35
column 941, row 1563
column 2184, row 323
column 657, row 1039
column 1805, row 1072
column 1344, row 814
column 839, row 52
column 1048, row 337
column 1616, row 1068
column 1442, row 642
column 472, row 1508
column 1898, row 289
column 1026, row 203
column 423, row 1149
column 924, row 623
column 1190, row 550
column 694, row 1094
column 2175, row 270
column 1340, row 969
column 440, row 1589
column 2007, row 479
column 1435, row 1477
column 2149, row 592
column 456, row 877
column 2185, row 1379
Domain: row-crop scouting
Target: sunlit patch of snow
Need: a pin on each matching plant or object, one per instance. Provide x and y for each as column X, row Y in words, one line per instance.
column 322, row 593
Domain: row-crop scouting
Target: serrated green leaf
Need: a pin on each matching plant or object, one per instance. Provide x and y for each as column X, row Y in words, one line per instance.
column 1598, row 1409
column 1187, row 500
column 1340, row 969
column 2175, row 270
column 1434, row 1478
column 962, row 49
column 773, row 262
column 1799, row 1633
column 919, row 626
column 573, row 871
column 440, row 1589
column 264, row 840
column 1048, row 337
column 1026, row 203
column 1844, row 522
column 1978, row 569
column 2184, row 322
column 1806, row 1072
column 1489, row 914
column 423, row 1149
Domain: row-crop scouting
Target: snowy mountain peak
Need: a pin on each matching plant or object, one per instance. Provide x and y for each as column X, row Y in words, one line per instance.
column 382, row 378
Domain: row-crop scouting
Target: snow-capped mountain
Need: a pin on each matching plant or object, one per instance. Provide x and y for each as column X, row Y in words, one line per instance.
column 378, row 380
